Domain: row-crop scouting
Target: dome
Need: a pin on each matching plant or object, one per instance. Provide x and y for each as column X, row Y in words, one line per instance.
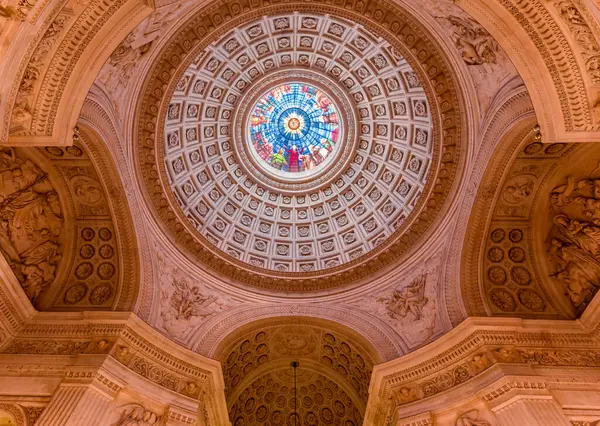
column 345, row 212
column 294, row 129
column 296, row 144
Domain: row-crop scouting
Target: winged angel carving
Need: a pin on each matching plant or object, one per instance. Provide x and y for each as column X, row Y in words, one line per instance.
column 409, row 307
column 137, row 415
column 408, row 300
column 471, row 419
column 184, row 303
column 188, row 301
column 475, row 44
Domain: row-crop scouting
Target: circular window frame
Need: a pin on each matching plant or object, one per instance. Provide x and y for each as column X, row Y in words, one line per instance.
column 287, row 183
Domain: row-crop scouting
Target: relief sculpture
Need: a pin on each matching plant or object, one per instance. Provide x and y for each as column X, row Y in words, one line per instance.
column 409, row 307
column 408, row 300
column 471, row 419
column 185, row 304
column 574, row 240
column 30, row 223
column 137, row 415
column 475, row 44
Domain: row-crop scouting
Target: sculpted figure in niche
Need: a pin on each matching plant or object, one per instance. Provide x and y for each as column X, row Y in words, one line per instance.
column 30, row 223
column 475, row 44
column 574, row 239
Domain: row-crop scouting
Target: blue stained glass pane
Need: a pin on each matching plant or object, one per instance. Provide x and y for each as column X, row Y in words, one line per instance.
column 294, row 127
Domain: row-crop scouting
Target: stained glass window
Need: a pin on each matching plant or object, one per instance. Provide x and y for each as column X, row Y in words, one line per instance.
column 294, row 127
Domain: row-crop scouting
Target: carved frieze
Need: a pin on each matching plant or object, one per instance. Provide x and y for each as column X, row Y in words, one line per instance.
column 583, row 37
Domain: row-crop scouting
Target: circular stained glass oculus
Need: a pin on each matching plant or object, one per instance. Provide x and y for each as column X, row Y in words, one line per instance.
column 294, row 130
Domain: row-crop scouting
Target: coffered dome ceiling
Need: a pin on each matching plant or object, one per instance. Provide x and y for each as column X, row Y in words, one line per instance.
column 337, row 183
column 300, row 211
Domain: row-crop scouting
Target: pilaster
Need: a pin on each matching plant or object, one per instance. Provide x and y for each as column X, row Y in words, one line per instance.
column 531, row 410
column 83, row 397
column 525, row 402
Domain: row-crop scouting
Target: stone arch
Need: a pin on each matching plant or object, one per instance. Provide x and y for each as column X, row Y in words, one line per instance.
column 539, row 37
column 510, row 117
column 335, row 365
column 76, row 252
column 49, row 86
column 378, row 334
column 100, row 119
column 530, row 243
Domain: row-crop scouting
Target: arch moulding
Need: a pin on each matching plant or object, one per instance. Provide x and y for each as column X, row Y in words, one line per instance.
column 543, row 39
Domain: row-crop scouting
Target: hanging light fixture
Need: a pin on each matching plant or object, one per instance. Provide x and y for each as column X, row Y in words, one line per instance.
column 295, row 365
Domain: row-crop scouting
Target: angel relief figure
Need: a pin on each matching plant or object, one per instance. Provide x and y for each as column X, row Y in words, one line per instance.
column 410, row 299
column 137, row 415
column 476, row 45
column 185, row 305
column 189, row 302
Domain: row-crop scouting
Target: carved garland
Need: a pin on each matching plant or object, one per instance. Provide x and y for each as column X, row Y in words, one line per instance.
column 379, row 17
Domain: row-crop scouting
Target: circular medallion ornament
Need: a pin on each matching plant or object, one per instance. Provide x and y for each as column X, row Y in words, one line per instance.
column 100, row 294
column 293, row 129
column 75, row 293
column 503, row 300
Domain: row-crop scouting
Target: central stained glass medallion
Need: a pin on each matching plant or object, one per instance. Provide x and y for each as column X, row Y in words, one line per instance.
column 294, row 128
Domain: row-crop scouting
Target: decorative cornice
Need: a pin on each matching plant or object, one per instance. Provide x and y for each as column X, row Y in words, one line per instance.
column 484, row 345
column 124, row 340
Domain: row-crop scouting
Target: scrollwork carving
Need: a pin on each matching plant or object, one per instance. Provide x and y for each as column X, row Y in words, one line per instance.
column 583, row 36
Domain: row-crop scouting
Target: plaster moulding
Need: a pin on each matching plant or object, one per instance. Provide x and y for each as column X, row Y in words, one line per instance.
column 562, row 89
column 59, row 66
column 473, row 354
column 124, row 346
